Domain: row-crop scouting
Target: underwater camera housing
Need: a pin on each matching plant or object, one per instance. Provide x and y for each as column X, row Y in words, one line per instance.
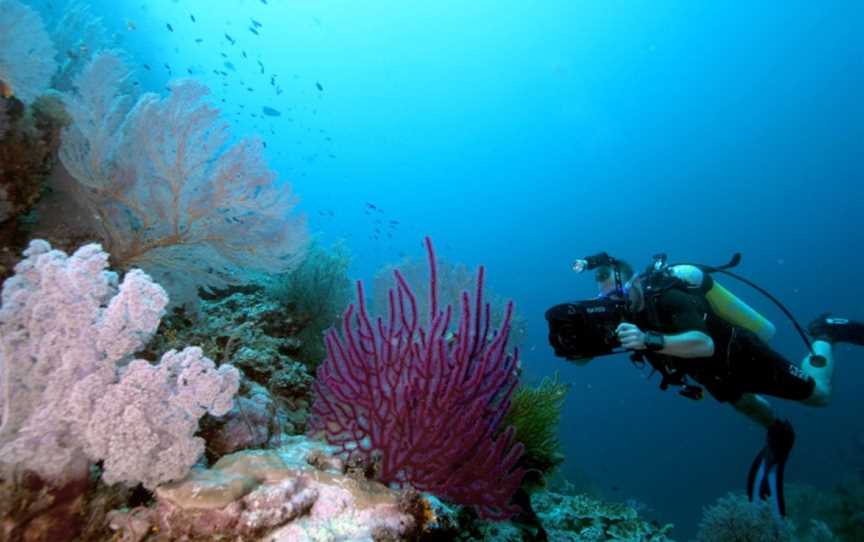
column 585, row 329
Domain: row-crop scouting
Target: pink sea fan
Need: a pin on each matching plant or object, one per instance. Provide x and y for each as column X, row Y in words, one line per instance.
column 425, row 406
column 175, row 194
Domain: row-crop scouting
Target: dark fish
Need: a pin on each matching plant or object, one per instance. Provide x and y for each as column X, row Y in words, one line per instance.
column 252, row 29
column 244, row 54
column 270, row 112
column 317, row 84
column 229, row 38
column 371, row 205
column 199, row 40
column 146, row 67
column 256, row 23
column 250, row 89
column 189, row 70
column 261, row 65
column 171, row 28
column 278, row 91
column 230, row 66
column 264, row 2
column 192, row 17
column 273, row 80
column 167, row 67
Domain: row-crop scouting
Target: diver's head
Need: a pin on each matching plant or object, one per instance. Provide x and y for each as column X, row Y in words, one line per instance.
column 605, row 276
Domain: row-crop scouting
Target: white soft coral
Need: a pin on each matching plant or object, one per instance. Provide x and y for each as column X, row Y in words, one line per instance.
column 70, row 390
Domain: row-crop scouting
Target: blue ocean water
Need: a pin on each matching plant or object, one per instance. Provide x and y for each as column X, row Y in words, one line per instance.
column 524, row 134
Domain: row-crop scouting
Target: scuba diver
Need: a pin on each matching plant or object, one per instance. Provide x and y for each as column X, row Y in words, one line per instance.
column 698, row 335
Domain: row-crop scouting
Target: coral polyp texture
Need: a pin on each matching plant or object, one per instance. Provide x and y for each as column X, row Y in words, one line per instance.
column 174, row 193
column 423, row 404
column 71, row 392
column 26, row 52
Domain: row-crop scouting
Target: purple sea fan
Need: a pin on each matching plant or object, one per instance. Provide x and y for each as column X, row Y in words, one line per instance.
column 424, row 404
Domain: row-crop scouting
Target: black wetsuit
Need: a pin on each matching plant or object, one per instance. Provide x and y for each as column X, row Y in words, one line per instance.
column 742, row 362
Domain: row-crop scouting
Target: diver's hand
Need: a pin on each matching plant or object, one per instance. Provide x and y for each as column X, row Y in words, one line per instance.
column 631, row 337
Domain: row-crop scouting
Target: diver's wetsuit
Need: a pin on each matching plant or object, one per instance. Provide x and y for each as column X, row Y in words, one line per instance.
column 742, row 362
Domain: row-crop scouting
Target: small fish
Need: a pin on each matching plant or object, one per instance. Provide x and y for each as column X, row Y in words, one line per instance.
column 189, row 70
column 130, row 25
column 318, row 85
column 250, row 89
column 244, row 54
column 264, row 2
column 229, row 38
column 167, row 67
column 147, row 67
column 278, row 91
column 193, row 18
column 270, row 112
column 371, row 205
column 230, row 66
column 261, row 65
column 170, row 28
column 256, row 23
column 272, row 80
column 223, row 55
column 252, row 29
column 199, row 40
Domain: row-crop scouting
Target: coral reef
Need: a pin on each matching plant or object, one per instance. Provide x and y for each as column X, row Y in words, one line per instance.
column 28, row 153
column 579, row 517
column 733, row 517
column 839, row 510
column 258, row 336
column 4, row 118
column 26, row 52
column 425, row 408
column 175, row 195
column 83, row 398
column 276, row 495
column 315, row 293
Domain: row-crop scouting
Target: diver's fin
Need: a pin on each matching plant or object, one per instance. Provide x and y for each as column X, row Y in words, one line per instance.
column 765, row 479
column 836, row 330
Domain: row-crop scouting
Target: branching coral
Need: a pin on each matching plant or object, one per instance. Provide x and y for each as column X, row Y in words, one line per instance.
column 421, row 406
column 453, row 279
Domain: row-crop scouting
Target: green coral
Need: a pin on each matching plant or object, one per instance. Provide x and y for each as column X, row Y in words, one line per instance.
column 535, row 412
column 316, row 292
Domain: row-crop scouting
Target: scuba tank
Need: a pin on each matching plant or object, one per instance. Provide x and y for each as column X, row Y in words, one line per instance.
column 724, row 303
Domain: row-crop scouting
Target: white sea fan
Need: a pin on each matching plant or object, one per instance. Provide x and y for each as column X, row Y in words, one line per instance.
column 26, row 52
